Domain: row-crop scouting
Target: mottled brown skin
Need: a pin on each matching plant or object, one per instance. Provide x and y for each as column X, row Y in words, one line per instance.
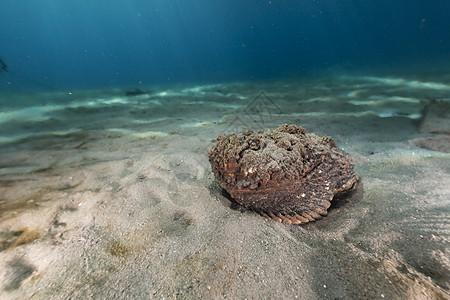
column 284, row 174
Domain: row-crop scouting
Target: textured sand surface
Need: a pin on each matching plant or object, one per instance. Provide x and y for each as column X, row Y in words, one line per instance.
column 115, row 210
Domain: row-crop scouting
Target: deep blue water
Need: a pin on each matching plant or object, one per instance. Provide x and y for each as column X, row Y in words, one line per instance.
column 105, row 43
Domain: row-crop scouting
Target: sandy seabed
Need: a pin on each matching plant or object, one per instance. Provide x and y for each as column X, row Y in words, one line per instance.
column 112, row 197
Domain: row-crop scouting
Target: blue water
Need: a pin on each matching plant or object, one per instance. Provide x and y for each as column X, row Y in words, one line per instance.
column 110, row 43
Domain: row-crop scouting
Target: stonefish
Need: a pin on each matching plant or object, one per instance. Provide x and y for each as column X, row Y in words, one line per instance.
column 284, row 174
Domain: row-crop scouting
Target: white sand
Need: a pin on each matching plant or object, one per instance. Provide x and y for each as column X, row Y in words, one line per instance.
column 121, row 201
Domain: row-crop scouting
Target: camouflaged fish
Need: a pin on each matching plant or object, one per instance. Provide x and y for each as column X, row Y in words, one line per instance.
column 284, row 174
